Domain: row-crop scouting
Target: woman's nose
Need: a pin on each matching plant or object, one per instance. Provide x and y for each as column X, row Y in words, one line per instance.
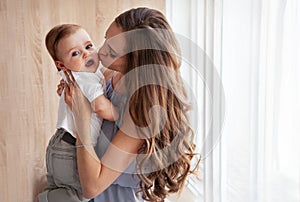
column 102, row 51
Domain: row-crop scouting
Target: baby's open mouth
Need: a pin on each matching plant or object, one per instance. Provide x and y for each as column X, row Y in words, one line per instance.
column 89, row 63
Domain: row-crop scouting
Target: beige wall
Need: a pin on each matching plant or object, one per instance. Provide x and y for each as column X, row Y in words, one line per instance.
column 28, row 80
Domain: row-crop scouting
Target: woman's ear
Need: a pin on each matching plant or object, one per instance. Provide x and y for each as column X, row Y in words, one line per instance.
column 59, row 65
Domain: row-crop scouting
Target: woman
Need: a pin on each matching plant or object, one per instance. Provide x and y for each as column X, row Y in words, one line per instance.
column 149, row 156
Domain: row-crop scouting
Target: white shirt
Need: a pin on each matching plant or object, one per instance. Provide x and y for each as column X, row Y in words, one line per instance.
column 92, row 85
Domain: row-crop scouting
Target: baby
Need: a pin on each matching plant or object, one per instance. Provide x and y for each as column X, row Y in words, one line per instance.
column 72, row 49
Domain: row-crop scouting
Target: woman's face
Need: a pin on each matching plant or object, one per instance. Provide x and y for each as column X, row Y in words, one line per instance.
column 112, row 54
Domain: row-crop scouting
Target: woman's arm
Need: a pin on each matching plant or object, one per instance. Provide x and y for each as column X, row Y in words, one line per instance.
column 96, row 175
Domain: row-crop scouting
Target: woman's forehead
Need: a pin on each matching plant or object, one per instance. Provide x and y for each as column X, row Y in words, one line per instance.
column 113, row 30
column 115, row 38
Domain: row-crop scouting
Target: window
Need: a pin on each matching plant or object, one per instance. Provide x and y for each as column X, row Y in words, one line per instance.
column 253, row 46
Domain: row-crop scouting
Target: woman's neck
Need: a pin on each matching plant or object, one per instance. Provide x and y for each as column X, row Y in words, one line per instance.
column 118, row 83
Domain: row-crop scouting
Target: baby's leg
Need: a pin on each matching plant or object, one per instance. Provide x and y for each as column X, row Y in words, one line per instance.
column 59, row 195
column 62, row 175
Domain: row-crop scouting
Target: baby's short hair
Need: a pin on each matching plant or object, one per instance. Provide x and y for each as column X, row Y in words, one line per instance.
column 56, row 34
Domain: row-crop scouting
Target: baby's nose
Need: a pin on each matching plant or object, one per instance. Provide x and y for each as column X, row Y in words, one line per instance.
column 86, row 53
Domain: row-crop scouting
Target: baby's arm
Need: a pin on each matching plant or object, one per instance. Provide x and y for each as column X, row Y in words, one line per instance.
column 105, row 109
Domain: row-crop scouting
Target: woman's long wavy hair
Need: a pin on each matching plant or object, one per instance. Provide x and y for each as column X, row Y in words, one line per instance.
column 154, row 56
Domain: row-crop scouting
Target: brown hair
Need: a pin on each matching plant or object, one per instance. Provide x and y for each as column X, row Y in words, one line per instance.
column 154, row 55
column 56, row 34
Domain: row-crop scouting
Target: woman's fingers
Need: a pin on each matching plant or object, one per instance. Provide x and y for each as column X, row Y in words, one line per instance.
column 75, row 99
column 79, row 105
column 59, row 91
column 68, row 77
column 60, row 87
column 68, row 95
column 70, row 89
column 72, row 77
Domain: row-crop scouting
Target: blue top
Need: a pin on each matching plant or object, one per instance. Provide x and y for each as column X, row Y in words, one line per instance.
column 124, row 187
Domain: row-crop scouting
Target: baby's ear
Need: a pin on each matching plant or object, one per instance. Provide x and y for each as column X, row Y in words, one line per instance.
column 59, row 65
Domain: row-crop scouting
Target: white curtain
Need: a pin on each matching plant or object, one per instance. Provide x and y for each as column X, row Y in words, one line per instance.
column 254, row 46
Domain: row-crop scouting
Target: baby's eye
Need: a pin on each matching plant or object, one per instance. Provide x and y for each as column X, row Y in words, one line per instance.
column 75, row 53
column 89, row 46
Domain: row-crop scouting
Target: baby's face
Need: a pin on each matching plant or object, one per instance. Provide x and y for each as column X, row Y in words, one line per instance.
column 77, row 53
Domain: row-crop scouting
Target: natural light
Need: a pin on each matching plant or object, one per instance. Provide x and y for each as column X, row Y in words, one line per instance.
column 254, row 47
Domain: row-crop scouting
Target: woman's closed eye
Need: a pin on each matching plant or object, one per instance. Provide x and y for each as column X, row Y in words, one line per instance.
column 112, row 55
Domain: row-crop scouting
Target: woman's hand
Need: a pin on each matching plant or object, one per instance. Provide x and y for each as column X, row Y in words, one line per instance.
column 80, row 106
column 60, row 87
column 68, row 96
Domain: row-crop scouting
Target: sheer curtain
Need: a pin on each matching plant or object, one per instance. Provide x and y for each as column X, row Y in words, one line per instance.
column 253, row 45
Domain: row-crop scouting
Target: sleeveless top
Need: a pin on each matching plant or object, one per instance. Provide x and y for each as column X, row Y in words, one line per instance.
column 124, row 187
